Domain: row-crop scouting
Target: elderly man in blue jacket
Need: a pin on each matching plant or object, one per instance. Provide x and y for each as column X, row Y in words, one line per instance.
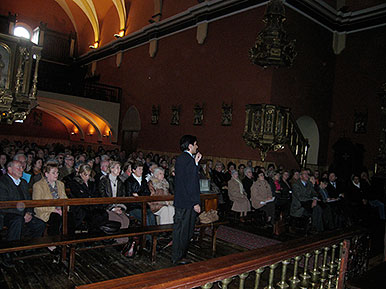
column 186, row 197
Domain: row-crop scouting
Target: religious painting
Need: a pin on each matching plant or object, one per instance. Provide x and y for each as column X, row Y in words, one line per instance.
column 226, row 117
column 198, row 114
column 4, row 66
column 360, row 122
column 175, row 115
column 154, row 114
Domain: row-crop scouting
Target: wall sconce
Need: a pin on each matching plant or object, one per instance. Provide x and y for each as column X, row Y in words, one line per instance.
column 120, row 34
column 95, row 45
column 72, row 133
column 107, row 133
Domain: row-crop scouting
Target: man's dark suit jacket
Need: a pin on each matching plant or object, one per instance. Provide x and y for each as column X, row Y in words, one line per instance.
column 187, row 182
column 10, row 192
column 332, row 191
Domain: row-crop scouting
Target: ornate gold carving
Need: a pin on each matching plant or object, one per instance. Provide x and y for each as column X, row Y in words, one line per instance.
column 271, row 127
column 271, row 46
column 17, row 97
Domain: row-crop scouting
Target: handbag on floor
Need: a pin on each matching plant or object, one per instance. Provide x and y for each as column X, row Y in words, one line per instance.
column 208, row 217
column 130, row 249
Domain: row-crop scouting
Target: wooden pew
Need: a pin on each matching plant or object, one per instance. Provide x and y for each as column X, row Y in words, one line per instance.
column 72, row 240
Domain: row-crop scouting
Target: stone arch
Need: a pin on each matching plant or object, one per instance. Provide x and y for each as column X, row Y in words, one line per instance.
column 310, row 131
column 131, row 125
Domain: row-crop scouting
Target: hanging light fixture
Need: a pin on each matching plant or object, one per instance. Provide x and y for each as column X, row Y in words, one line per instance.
column 19, row 61
column 272, row 47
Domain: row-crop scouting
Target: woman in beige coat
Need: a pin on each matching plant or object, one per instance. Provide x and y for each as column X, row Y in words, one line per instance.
column 261, row 196
column 238, row 196
column 49, row 188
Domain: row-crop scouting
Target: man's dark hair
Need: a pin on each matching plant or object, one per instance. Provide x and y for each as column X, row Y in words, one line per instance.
column 325, row 181
column 186, row 140
column 135, row 165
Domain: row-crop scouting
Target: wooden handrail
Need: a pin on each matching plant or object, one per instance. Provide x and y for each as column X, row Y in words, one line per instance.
column 91, row 201
column 200, row 273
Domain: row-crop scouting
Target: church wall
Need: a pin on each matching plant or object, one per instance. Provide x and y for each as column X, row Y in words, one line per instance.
column 360, row 73
column 306, row 87
column 46, row 127
column 186, row 73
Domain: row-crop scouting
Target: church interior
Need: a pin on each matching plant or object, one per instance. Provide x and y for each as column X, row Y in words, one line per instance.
column 289, row 84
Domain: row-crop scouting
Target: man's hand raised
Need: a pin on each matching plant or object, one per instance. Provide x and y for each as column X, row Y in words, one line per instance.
column 198, row 157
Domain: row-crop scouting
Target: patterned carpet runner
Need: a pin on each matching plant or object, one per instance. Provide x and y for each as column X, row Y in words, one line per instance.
column 243, row 239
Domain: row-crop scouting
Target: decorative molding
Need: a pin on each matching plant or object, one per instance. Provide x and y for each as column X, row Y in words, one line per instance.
column 202, row 32
column 338, row 42
column 118, row 58
column 210, row 11
column 153, row 48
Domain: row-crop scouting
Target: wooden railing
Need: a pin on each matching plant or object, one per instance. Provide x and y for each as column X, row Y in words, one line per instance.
column 322, row 261
column 65, row 203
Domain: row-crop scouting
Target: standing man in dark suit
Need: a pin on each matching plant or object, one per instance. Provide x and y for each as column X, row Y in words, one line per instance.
column 186, row 197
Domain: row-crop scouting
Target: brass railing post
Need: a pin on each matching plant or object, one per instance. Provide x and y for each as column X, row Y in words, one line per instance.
column 242, row 279
column 271, row 276
column 315, row 271
column 258, row 276
column 305, row 276
column 283, row 284
column 294, row 280
column 225, row 283
column 324, row 267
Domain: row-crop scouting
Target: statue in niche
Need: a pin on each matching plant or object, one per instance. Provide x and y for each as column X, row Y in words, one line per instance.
column 198, row 114
column 175, row 115
column 154, row 114
column 226, row 117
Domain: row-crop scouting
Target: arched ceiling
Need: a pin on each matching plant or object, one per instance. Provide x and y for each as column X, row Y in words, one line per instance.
column 95, row 12
column 76, row 119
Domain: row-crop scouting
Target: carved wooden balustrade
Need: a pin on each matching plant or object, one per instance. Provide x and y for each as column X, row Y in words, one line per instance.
column 322, row 261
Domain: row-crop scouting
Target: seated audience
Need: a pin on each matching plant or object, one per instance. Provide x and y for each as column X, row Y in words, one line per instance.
column 304, row 201
column 248, row 181
column 371, row 195
column 49, row 188
column 136, row 186
column 261, row 197
column 68, row 167
column 283, row 196
column 238, row 196
column 159, row 186
column 20, row 222
column 91, row 215
column 111, row 186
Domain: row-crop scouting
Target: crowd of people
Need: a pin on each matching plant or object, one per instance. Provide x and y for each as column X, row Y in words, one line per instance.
column 272, row 192
column 298, row 194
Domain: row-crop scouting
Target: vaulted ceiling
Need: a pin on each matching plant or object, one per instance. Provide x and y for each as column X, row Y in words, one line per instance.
column 97, row 21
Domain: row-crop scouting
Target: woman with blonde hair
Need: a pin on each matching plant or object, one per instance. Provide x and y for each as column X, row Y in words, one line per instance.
column 49, row 188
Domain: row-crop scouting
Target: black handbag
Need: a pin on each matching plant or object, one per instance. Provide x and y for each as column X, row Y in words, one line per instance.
column 110, row 227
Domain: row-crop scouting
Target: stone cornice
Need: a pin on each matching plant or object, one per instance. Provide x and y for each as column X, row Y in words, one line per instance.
column 209, row 11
